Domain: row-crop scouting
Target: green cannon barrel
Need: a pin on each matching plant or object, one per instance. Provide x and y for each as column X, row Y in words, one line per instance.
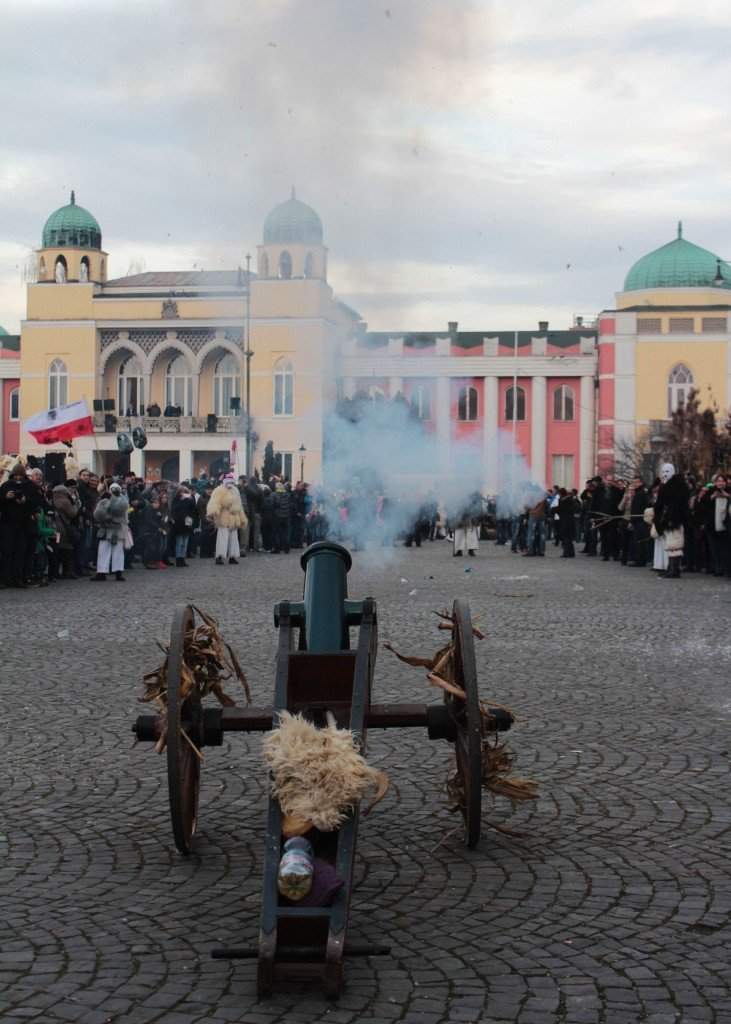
column 327, row 611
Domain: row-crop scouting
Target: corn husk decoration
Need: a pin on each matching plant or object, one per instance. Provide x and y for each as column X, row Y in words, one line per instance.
column 497, row 757
column 208, row 662
column 318, row 775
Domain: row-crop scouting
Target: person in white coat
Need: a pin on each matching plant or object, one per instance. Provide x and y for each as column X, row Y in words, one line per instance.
column 227, row 513
column 110, row 515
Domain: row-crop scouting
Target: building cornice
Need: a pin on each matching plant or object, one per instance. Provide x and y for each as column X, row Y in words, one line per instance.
column 468, row 366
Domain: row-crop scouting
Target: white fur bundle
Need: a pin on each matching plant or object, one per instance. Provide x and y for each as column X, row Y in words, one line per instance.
column 318, row 774
column 72, row 467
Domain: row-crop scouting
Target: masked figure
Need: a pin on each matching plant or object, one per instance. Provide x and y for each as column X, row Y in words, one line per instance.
column 671, row 513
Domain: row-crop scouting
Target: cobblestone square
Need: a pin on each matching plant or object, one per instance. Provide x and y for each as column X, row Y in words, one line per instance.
column 613, row 906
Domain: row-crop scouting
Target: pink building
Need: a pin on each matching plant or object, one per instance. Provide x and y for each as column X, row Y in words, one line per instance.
column 461, row 383
column 9, row 393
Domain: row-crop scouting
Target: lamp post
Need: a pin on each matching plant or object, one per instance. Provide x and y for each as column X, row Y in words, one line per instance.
column 303, row 452
column 248, row 353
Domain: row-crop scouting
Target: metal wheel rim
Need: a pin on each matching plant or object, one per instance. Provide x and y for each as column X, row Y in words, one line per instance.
column 183, row 765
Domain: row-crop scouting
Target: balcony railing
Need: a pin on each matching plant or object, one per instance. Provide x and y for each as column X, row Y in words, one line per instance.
column 170, row 424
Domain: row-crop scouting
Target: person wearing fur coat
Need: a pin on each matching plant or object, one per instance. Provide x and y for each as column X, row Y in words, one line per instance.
column 110, row 515
column 671, row 514
column 227, row 513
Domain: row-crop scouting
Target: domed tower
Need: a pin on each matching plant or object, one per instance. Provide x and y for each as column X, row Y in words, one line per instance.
column 71, row 247
column 292, row 246
column 679, row 264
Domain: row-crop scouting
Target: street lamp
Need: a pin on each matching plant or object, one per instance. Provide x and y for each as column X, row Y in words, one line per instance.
column 302, row 451
column 248, row 353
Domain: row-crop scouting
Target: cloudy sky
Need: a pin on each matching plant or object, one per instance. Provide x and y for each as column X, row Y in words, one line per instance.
column 494, row 163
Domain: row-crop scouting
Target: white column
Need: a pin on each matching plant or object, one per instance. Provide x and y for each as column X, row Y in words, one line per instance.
column 586, row 430
column 196, row 382
column 490, row 434
column 444, row 425
column 395, row 384
column 348, row 387
column 185, row 456
column 538, row 430
column 137, row 462
column 147, row 388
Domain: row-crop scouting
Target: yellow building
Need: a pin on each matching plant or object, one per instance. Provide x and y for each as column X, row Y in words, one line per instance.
column 669, row 333
column 168, row 351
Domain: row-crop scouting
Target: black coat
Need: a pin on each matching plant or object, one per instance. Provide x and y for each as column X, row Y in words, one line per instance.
column 182, row 509
column 671, row 507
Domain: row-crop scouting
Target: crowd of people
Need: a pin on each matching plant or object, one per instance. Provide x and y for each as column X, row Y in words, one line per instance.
column 101, row 527
column 676, row 523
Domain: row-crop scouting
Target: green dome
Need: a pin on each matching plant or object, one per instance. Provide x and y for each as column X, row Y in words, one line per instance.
column 293, row 221
column 72, row 225
column 3, row 332
column 679, row 264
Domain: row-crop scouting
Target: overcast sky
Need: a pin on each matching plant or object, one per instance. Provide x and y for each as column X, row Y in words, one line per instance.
column 494, row 163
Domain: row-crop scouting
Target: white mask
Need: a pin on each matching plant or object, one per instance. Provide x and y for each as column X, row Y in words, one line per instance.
column 667, row 471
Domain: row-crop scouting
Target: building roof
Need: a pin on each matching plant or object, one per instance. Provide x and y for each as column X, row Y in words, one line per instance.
column 475, row 339
column 679, row 264
column 293, row 221
column 181, row 279
column 73, row 226
column 9, row 342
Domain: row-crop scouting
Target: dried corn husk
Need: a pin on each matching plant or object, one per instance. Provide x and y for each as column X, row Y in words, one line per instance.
column 497, row 758
column 208, row 662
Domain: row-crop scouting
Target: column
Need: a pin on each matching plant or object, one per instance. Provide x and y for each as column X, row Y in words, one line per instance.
column 395, row 384
column 586, row 430
column 137, row 462
column 2, row 413
column 196, row 387
column 348, row 387
column 185, row 457
column 444, row 424
column 490, row 434
column 147, row 388
column 538, row 430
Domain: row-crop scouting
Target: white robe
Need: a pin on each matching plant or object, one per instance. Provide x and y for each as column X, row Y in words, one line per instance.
column 465, row 539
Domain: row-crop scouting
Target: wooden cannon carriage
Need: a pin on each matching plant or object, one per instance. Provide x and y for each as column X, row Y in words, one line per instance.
column 319, row 672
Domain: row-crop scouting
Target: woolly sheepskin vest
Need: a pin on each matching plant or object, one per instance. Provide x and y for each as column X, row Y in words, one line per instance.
column 225, row 508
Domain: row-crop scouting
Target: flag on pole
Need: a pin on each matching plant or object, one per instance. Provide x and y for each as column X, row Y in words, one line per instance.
column 61, row 424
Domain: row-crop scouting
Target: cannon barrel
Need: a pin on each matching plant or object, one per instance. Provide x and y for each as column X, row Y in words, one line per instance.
column 326, row 567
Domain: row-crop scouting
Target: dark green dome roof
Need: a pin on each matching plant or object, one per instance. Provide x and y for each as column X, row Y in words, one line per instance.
column 679, row 264
column 293, row 221
column 72, row 225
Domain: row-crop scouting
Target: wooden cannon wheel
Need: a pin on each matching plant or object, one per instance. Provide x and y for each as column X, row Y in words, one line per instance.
column 466, row 715
column 183, row 763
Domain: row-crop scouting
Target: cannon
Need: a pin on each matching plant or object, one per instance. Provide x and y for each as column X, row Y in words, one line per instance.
column 318, row 671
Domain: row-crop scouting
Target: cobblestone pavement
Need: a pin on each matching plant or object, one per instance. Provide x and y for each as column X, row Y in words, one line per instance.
column 614, row 908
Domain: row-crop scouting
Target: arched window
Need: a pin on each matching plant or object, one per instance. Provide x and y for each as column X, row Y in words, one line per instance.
column 60, row 270
column 510, row 410
column 309, row 265
column 130, row 388
column 467, row 404
column 264, row 265
column 58, row 384
column 179, row 386
column 226, row 384
column 84, row 269
column 285, row 264
column 14, row 413
column 42, row 268
column 421, row 402
column 680, row 384
column 103, row 269
column 283, row 388
column 563, row 403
